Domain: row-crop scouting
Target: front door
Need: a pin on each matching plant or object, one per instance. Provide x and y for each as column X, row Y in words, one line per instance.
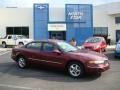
column 117, row 35
column 10, row 40
column 57, row 35
column 49, row 57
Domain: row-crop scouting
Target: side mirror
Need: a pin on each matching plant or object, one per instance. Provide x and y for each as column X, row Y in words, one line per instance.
column 57, row 52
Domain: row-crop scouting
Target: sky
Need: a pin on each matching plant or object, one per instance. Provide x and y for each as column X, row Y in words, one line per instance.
column 52, row 3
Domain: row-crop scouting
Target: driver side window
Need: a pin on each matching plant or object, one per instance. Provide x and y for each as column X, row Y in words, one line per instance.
column 48, row 47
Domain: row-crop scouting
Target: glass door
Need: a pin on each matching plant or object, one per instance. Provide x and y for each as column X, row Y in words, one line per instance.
column 117, row 35
column 57, row 35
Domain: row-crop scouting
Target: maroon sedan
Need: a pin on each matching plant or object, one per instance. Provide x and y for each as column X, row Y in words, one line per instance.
column 60, row 55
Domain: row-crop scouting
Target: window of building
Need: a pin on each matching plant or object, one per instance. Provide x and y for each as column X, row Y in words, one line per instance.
column 18, row 31
column 117, row 20
column 101, row 31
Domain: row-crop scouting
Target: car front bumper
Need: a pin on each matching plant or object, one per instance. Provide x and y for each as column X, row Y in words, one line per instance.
column 97, row 69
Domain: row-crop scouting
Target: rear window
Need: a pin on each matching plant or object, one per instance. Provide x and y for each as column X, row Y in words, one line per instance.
column 34, row 45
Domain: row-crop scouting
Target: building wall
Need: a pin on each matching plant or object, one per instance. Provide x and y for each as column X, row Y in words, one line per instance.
column 56, row 14
column 79, row 21
column 13, row 17
column 104, row 16
column 77, row 17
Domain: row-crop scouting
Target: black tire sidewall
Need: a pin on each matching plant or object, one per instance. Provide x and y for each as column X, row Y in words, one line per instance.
column 21, row 43
column 4, row 45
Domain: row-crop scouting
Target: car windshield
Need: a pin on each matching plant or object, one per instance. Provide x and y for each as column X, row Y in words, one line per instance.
column 93, row 40
column 67, row 47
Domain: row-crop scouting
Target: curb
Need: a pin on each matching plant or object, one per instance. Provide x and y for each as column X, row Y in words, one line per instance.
column 112, row 47
column 5, row 49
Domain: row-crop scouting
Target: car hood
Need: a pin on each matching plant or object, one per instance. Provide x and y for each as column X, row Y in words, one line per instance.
column 90, row 55
column 90, row 44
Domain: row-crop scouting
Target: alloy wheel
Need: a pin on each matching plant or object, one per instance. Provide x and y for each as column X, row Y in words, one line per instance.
column 21, row 62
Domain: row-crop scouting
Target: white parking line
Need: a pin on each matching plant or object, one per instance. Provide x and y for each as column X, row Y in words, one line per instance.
column 4, row 53
column 18, row 87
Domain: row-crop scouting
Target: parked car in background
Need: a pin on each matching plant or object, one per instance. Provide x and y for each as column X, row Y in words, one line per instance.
column 11, row 40
column 117, row 49
column 60, row 55
column 97, row 44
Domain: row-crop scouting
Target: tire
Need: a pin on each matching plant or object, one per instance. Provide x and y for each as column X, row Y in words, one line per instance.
column 4, row 45
column 116, row 56
column 22, row 63
column 21, row 43
column 75, row 69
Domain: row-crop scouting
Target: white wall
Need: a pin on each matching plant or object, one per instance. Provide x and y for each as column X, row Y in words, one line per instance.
column 11, row 17
column 104, row 16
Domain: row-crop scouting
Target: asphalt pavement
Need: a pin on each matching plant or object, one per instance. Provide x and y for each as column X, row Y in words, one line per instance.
column 34, row 78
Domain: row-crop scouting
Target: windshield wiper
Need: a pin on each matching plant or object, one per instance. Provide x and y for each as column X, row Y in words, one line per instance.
column 72, row 50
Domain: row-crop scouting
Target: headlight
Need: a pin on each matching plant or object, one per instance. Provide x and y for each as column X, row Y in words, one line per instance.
column 95, row 47
column 96, row 62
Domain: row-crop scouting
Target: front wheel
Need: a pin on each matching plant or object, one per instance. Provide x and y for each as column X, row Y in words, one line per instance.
column 4, row 45
column 75, row 69
column 22, row 63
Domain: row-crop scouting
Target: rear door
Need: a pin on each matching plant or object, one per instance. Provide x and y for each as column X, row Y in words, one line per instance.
column 32, row 52
column 10, row 40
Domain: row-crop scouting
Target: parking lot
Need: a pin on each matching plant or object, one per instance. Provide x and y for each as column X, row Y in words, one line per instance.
column 32, row 78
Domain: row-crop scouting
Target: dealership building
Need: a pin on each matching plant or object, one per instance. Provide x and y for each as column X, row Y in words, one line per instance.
column 78, row 21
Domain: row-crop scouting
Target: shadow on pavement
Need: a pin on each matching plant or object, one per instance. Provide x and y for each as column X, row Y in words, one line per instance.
column 111, row 56
column 11, row 68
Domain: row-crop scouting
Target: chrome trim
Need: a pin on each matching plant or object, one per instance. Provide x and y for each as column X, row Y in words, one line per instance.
column 44, row 60
column 98, row 67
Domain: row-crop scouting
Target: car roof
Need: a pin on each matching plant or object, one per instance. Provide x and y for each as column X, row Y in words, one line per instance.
column 49, row 40
column 97, row 37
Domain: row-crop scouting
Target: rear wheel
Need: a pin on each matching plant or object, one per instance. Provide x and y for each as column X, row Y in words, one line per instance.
column 116, row 56
column 104, row 50
column 22, row 63
column 75, row 69
column 21, row 43
column 4, row 45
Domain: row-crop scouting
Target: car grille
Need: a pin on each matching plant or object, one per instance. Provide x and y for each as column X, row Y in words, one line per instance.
column 89, row 48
